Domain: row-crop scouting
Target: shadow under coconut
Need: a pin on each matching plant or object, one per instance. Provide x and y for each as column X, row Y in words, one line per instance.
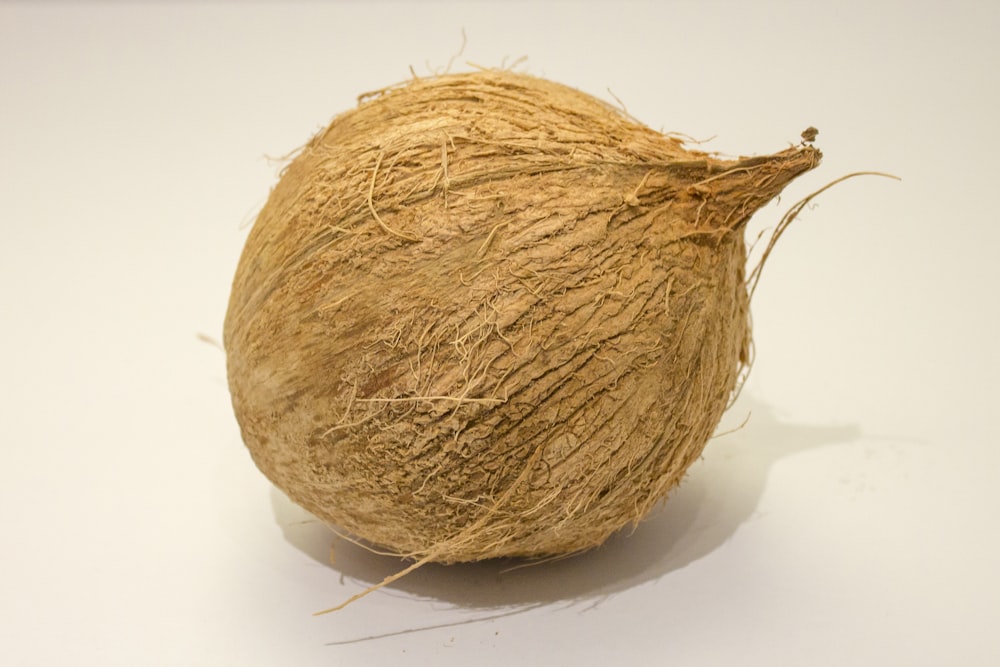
column 719, row 494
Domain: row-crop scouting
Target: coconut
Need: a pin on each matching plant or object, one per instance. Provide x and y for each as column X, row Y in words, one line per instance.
column 487, row 315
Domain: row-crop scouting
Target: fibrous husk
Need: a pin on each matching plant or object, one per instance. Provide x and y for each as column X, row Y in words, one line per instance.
column 488, row 315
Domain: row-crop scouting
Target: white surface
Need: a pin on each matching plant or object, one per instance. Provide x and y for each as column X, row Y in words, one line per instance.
column 853, row 521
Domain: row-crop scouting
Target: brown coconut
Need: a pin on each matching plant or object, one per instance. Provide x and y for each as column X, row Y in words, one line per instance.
column 488, row 315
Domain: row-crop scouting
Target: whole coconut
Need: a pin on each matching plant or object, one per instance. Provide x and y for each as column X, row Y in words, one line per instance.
column 488, row 315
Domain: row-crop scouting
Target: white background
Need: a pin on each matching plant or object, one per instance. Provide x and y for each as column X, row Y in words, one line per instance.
column 852, row 521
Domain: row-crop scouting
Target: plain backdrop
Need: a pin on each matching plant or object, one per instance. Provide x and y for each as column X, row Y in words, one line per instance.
column 851, row 521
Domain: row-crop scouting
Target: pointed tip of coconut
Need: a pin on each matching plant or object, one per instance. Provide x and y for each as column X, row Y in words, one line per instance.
column 780, row 169
column 768, row 174
column 739, row 188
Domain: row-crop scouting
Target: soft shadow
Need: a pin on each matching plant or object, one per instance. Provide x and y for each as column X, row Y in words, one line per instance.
column 720, row 493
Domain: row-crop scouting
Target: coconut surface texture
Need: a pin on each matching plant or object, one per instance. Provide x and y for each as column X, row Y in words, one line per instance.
column 487, row 315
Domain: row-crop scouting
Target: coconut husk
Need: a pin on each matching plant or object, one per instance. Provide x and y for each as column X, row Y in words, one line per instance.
column 486, row 315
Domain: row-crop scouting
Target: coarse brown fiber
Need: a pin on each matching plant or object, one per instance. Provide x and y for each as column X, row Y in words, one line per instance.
column 488, row 315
